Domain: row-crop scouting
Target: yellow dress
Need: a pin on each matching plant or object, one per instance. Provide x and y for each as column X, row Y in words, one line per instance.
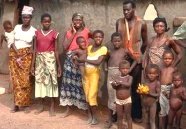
column 92, row 74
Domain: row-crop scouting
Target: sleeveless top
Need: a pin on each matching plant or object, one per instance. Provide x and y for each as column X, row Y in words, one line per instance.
column 155, row 53
column 133, row 45
column 45, row 42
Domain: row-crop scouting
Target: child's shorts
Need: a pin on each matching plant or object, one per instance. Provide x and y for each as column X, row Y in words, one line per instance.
column 124, row 102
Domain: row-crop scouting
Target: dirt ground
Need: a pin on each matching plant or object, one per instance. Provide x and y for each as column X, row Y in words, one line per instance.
column 20, row 120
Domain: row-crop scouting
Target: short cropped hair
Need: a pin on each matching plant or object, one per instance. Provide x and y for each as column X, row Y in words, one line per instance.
column 168, row 52
column 98, row 31
column 152, row 66
column 124, row 63
column 116, row 34
column 45, row 15
column 7, row 22
column 133, row 4
column 178, row 74
column 78, row 38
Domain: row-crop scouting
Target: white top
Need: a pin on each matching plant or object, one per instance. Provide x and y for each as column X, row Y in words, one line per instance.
column 23, row 39
column 9, row 38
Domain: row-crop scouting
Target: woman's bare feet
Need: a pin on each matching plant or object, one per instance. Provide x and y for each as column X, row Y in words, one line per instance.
column 27, row 110
column 40, row 110
column 66, row 113
column 15, row 109
column 94, row 121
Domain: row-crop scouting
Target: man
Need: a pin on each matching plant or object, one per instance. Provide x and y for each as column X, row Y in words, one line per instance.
column 134, row 36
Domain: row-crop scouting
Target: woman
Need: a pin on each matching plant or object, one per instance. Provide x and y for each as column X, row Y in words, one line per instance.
column 160, row 43
column 20, row 61
column 72, row 89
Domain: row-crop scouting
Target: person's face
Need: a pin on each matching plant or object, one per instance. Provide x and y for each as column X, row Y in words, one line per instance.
column 168, row 59
column 124, row 70
column 152, row 74
column 26, row 19
column 98, row 39
column 82, row 43
column 46, row 22
column 177, row 81
column 116, row 41
column 128, row 11
column 77, row 22
column 8, row 28
column 159, row 28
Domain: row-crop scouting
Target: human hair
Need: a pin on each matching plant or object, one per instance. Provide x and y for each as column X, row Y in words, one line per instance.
column 7, row 22
column 152, row 66
column 124, row 64
column 133, row 4
column 98, row 31
column 168, row 52
column 78, row 39
column 81, row 16
column 179, row 74
column 116, row 34
column 161, row 19
column 45, row 15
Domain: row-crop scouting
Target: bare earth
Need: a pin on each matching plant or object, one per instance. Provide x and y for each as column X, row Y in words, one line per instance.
column 20, row 120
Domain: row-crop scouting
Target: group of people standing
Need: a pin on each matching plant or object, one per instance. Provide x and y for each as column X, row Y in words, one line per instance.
column 132, row 61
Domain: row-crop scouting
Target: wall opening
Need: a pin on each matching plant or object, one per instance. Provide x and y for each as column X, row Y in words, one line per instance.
column 150, row 13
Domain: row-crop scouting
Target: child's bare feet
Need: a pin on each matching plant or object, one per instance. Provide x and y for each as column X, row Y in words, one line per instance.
column 15, row 109
column 41, row 109
column 94, row 121
column 108, row 124
column 89, row 121
column 27, row 110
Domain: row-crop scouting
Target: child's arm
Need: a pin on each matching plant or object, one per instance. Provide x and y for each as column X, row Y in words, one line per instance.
column 106, row 61
column 96, row 62
column 114, row 85
column 184, row 94
column 57, row 57
column 126, row 84
column 33, row 58
column 2, row 39
column 156, row 95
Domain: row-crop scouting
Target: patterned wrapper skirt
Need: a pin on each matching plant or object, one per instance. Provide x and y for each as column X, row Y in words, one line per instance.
column 21, row 77
column 72, row 92
column 46, row 75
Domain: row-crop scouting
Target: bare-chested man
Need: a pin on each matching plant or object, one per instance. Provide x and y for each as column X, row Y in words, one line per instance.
column 114, row 58
column 134, row 36
column 166, row 79
column 177, row 96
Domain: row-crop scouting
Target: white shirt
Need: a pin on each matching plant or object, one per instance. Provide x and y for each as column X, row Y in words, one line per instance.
column 9, row 38
column 23, row 39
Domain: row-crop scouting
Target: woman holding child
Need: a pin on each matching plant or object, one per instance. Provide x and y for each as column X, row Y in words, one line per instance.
column 72, row 89
column 20, row 61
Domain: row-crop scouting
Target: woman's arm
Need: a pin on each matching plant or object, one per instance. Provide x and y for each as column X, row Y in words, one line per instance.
column 57, row 57
column 178, row 51
column 67, row 42
column 34, row 57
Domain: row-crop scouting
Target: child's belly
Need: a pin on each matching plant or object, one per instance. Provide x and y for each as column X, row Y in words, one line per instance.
column 148, row 101
column 175, row 103
column 122, row 94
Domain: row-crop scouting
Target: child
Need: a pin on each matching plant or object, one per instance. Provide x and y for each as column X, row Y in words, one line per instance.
column 149, row 100
column 95, row 56
column 166, row 85
column 122, row 85
column 80, row 53
column 46, row 65
column 177, row 96
column 114, row 58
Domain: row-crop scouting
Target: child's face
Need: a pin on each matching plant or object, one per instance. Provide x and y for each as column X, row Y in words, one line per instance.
column 116, row 42
column 168, row 59
column 77, row 22
column 46, row 22
column 152, row 74
column 82, row 43
column 124, row 70
column 8, row 28
column 177, row 81
column 159, row 27
column 98, row 38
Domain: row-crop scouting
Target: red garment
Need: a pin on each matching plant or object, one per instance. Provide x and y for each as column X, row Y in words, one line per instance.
column 45, row 42
column 85, row 33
